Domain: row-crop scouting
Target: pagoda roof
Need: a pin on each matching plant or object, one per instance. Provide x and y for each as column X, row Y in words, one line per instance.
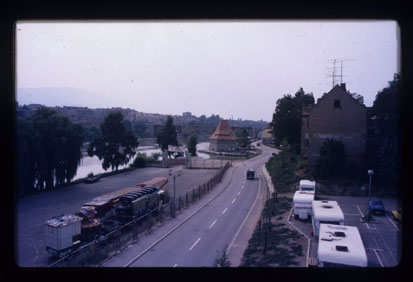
column 223, row 132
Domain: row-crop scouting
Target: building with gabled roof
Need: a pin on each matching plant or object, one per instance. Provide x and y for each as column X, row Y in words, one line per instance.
column 223, row 138
column 339, row 116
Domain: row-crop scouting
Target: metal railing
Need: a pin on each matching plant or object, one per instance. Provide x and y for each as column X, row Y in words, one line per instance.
column 104, row 247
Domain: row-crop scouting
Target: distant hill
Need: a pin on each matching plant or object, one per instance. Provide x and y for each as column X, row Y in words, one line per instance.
column 60, row 96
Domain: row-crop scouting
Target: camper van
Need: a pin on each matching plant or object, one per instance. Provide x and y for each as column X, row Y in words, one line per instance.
column 303, row 204
column 339, row 246
column 306, row 185
column 328, row 212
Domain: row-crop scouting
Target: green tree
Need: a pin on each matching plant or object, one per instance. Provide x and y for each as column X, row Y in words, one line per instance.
column 116, row 145
column 243, row 140
column 332, row 159
column 26, row 145
column 48, row 150
column 383, row 153
column 192, row 142
column 168, row 135
column 286, row 121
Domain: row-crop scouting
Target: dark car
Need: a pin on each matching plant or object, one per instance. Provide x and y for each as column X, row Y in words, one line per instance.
column 376, row 206
column 92, row 179
column 250, row 174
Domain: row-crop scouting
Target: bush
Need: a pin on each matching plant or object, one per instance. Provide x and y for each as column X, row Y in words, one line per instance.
column 140, row 161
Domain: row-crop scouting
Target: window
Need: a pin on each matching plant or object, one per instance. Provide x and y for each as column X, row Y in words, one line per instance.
column 336, row 103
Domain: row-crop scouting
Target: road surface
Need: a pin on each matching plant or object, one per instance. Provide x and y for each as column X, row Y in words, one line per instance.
column 201, row 239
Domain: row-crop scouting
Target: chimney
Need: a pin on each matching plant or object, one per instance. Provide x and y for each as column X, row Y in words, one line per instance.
column 343, row 86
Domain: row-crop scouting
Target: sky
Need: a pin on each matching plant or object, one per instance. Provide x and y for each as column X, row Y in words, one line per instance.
column 236, row 69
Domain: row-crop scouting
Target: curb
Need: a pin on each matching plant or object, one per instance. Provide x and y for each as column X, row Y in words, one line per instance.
column 309, row 240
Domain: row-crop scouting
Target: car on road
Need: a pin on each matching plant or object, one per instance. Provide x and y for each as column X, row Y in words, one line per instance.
column 250, row 174
column 376, row 206
column 92, row 179
column 397, row 214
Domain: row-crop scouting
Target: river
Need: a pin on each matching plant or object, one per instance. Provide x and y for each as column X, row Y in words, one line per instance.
column 93, row 164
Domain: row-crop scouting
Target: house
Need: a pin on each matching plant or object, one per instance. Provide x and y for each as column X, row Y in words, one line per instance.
column 223, row 138
column 267, row 136
column 337, row 115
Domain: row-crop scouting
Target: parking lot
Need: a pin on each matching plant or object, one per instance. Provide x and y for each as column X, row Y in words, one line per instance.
column 381, row 236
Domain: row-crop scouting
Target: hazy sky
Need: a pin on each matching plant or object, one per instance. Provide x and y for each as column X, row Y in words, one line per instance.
column 230, row 68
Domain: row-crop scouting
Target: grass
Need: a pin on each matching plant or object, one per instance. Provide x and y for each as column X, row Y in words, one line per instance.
column 282, row 247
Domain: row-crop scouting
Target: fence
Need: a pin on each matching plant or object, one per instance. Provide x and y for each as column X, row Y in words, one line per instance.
column 125, row 232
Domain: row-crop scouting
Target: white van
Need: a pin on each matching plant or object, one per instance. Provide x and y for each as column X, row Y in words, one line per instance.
column 328, row 212
column 306, row 185
column 340, row 246
column 303, row 204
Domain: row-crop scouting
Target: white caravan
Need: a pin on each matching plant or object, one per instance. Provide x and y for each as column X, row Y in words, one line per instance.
column 306, row 185
column 340, row 246
column 303, row 204
column 328, row 212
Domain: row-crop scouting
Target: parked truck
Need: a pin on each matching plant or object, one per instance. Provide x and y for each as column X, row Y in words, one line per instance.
column 103, row 214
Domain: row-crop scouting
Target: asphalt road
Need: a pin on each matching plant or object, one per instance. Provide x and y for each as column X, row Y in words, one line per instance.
column 32, row 211
column 213, row 226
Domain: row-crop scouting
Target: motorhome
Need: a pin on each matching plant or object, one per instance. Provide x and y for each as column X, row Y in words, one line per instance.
column 306, row 185
column 328, row 212
column 340, row 246
column 303, row 204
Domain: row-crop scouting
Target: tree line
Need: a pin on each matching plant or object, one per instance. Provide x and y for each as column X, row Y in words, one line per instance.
column 49, row 147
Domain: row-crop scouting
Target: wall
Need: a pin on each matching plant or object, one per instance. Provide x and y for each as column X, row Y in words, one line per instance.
column 346, row 123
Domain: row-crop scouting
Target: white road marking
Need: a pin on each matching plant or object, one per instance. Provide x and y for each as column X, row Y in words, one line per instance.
column 375, row 251
column 239, row 193
column 233, row 201
column 213, row 223
column 175, row 265
column 196, row 242
column 225, row 210
column 362, row 215
column 392, row 222
column 242, row 187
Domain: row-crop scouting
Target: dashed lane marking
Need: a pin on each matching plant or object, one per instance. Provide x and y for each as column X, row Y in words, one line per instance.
column 225, row 210
column 196, row 242
column 213, row 223
column 233, row 201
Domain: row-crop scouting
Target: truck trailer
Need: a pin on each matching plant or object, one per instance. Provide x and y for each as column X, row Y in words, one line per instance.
column 306, row 185
column 340, row 246
column 62, row 234
column 328, row 212
column 303, row 204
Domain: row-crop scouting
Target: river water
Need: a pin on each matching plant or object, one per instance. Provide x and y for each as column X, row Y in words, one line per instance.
column 93, row 164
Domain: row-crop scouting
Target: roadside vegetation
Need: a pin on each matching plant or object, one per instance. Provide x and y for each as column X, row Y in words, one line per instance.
column 274, row 243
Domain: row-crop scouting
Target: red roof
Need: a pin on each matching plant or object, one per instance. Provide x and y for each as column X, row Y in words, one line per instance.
column 223, row 132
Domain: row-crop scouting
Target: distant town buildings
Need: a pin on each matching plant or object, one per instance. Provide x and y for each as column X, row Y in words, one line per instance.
column 223, row 139
column 150, row 124
column 337, row 115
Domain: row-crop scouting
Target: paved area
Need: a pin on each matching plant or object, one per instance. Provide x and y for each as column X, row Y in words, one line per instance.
column 381, row 236
column 32, row 211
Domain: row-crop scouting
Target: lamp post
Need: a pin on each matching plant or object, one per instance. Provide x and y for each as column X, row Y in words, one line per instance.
column 174, row 175
column 370, row 172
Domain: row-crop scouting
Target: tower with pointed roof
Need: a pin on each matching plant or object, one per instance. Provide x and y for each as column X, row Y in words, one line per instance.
column 223, row 139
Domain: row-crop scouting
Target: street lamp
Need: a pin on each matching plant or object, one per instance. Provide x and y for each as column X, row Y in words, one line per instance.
column 370, row 173
column 174, row 175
